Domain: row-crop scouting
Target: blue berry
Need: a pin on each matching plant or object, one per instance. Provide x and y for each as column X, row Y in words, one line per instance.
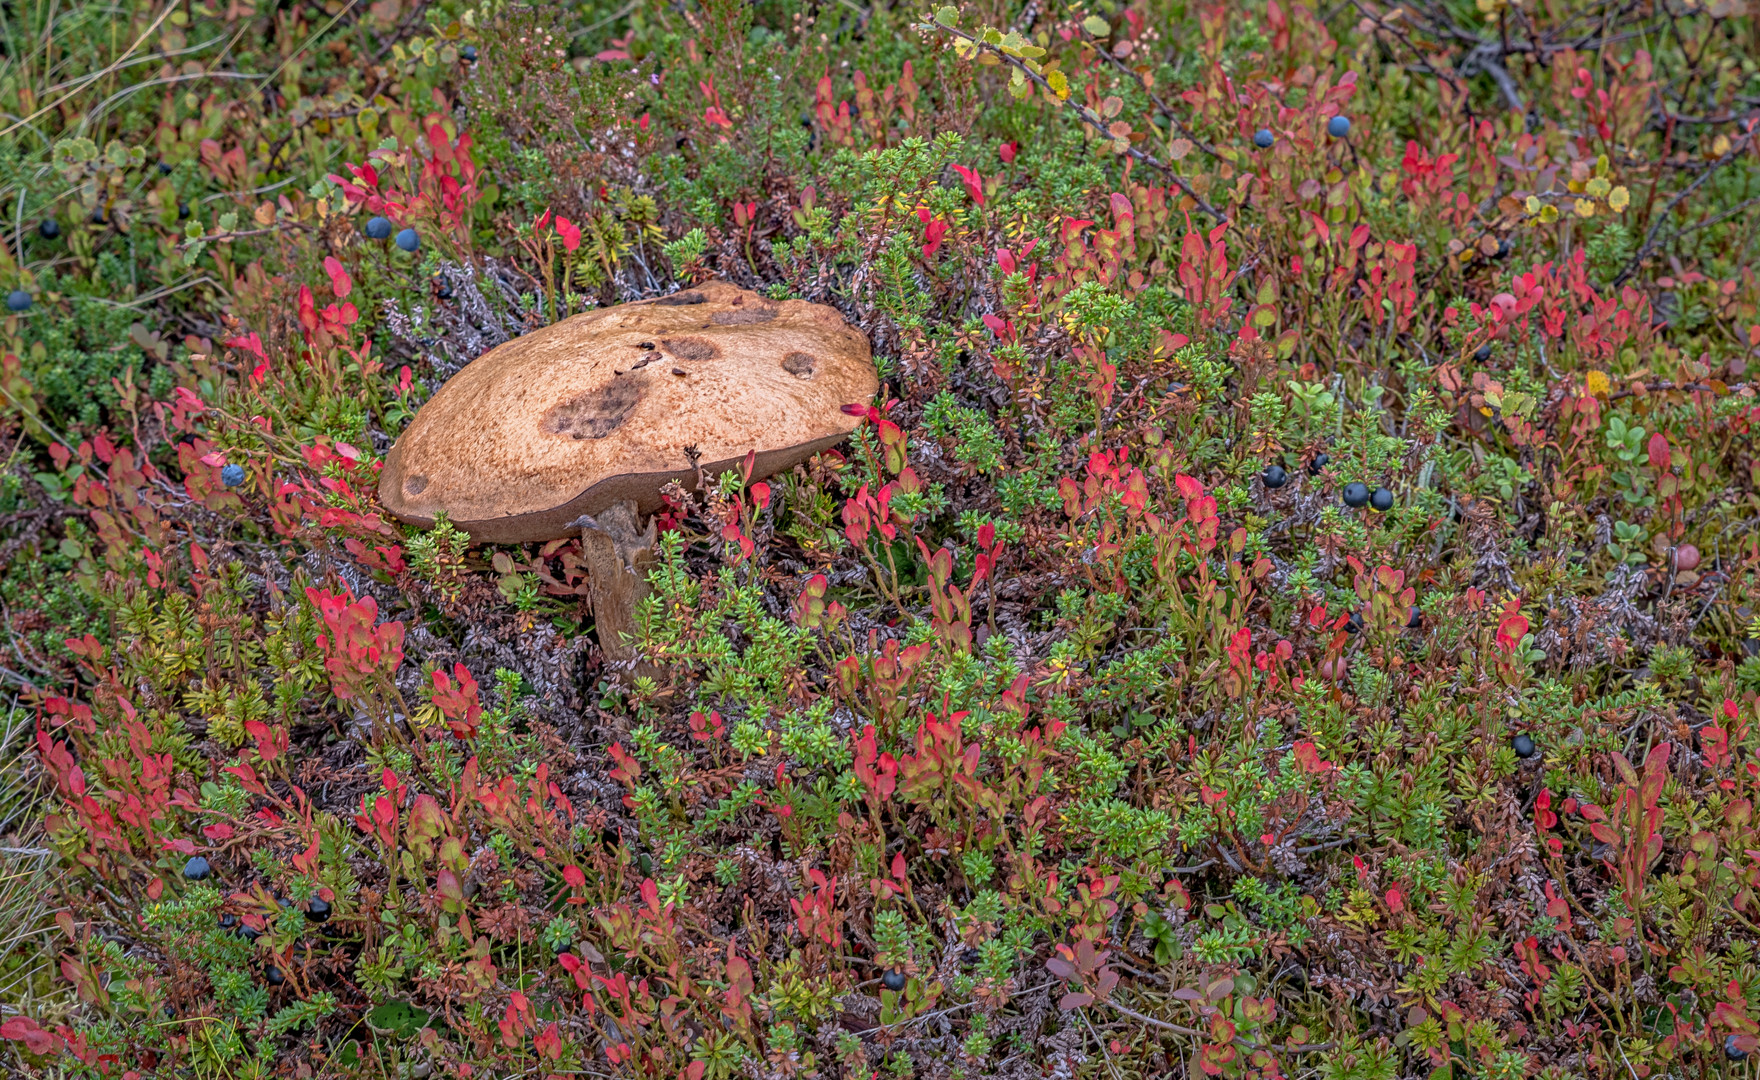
column 1733, row 1050
column 378, row 228
column 49, row 228
column 1382, row 500
column 1263, row 138
column 1523, row 745
column 469, row 52
column 1275, row 477
column 1356, row 495
column 197, row 868
column 18, row 300
column 407, row 240
column 232, row 475
column 1338, row 127
column 894, row 981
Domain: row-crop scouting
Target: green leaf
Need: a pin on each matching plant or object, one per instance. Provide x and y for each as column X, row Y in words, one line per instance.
column 398, row 1019
column 948, row 16
column 1097, row 26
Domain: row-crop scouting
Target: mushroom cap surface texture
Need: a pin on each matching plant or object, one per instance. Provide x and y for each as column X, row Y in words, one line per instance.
column 601, row 407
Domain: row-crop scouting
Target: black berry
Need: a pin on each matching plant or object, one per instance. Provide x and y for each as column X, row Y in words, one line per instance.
column 1356, row 495
column 1416, row 619
column 1317, row 464
column 197, row 869
column 182, row 210
column 1483, row 354
column 1382, row 500
column 1731, row 1050
column 1275, row 477
column 1523, row 745
column 893, row 980
column 273, row 976
column 1355, row 624
column 318, row 910
column 48, row 228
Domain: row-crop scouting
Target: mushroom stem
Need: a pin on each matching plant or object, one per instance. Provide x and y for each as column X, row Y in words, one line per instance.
column 619, row 554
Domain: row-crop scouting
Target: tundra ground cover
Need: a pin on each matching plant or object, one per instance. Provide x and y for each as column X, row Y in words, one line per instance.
column 1290, row 610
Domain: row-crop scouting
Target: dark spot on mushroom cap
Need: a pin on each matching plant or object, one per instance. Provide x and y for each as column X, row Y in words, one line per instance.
column 743, row 317
column 680, row 299
column 595, row 414
column 691, row 348
column 799, row 364
column 415, row 485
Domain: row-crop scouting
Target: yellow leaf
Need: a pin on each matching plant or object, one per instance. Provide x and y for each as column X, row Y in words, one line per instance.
column 1548, row 214
column 1533, row 204
column 1596, row 382
column 1619, row 198
column 1598, row 187
column 1059, row 84
column 1584, row 208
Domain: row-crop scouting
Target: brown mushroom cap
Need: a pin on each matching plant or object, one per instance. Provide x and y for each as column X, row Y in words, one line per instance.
column 600, row 407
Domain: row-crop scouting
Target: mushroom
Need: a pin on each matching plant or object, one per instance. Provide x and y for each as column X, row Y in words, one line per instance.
column 599, row 409
column 575, row 429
